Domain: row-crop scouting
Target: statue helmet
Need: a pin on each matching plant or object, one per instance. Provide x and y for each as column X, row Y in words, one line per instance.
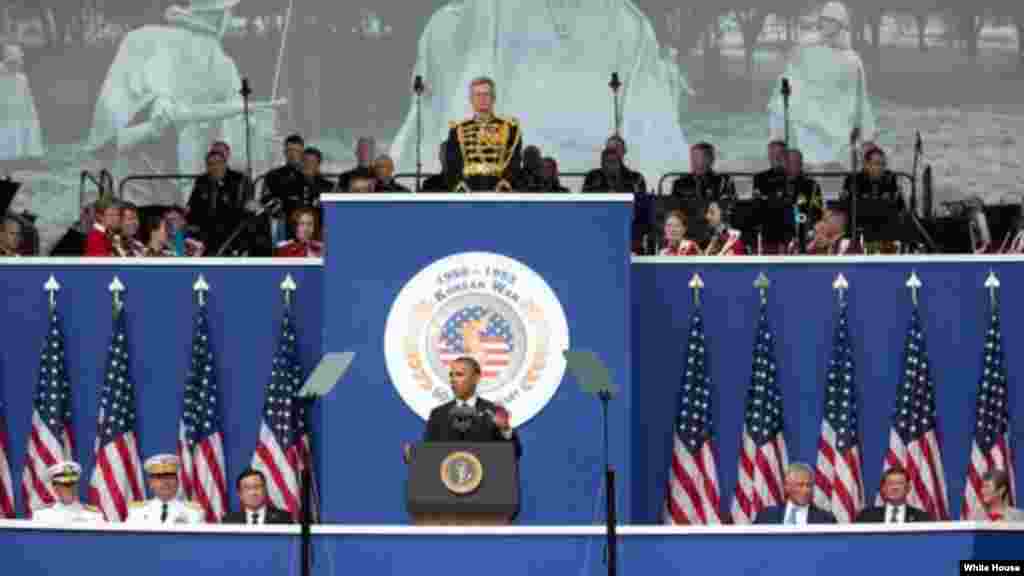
column 211, row 5
column 836, row 12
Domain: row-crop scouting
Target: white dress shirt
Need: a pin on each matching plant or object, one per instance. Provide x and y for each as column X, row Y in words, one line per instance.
column 799, row 511
column 471, row 402
column 901, row 513
column 261, row 516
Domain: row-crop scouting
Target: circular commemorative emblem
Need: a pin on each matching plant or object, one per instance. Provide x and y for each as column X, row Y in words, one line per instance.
column 486, row 306
column 462, row 473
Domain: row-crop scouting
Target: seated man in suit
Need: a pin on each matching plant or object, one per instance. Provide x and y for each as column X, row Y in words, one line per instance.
column 798, row 509
column 254, row 507
column 469, row 418
column 894, row 488
column 995, row 496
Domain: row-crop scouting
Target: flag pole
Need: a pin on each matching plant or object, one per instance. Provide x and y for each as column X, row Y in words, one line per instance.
column 288, row 288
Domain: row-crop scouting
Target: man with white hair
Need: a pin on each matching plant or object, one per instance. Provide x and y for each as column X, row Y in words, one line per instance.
column 798, row 509
column 829, row 94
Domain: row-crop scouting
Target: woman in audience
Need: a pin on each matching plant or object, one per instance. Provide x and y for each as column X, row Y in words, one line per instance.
column 676, row 243
column 155, row 236
column 995, row 496
column 725, row 240
column 304, row 244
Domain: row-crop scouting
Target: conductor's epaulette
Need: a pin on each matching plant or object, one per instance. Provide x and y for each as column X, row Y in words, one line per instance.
column 452, row 124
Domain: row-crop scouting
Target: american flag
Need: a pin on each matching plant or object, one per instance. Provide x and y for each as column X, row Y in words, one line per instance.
column 117, row 472
column 201, row 472
column 693, row 496
column 51, row 438
column 763, row 458
column 283, row 448
column 481, row 333
column 6, row 484
column 991, row 448
column 913, row 439
column 838, row 480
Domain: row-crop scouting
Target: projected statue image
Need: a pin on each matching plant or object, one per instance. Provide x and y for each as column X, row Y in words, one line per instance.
column 551, row 60
column 20, row 136
column 177, row 79
column 829, row 94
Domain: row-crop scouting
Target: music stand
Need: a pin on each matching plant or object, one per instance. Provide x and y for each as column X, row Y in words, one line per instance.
column 881, row 220
column 595, row 379
column 775, row 220
column 325, row 376
column 8, row 189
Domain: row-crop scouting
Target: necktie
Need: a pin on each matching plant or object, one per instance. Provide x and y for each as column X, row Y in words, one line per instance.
column 791, row 515
column 163, row 514
column 255, row 518
column 894, row 517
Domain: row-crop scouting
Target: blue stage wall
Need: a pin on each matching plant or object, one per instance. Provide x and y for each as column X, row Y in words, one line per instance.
column 579, row 248
column 798, row 552
column 245, row 312
column 802, row 311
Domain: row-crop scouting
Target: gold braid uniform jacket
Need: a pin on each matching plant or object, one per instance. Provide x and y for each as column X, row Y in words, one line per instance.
column 483, row 153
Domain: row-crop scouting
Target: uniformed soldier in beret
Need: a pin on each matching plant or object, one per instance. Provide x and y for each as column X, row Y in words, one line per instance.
column 165, row 507
column 67, row 509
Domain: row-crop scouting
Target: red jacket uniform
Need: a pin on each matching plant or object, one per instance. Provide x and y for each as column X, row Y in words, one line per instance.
column 728, row 243
column 685, row 248
column 295, row 249
column 97, row 243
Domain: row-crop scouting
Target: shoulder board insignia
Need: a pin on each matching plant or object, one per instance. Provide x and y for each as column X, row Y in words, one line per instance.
column 452, row 124
column 194, row 505
column 91, row 508
column 510, row 120
column 137, row 504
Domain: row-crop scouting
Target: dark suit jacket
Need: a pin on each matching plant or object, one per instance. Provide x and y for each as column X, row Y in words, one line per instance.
column 876, row 514
column 776, row 515
column 439, row 427
column 216, row 208
column 274, row 516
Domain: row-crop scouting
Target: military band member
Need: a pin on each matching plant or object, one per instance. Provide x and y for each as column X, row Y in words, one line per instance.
column 676, row 242
column 768, row 182
column 10, row 236
column 725, row 240
column 829, row 237
column 304, row 244
column 67, row 509
column 164, row 507
column 484, row 152
column 703, row 182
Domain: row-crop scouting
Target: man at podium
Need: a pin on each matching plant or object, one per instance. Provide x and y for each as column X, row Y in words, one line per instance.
column 484, row 152
column 469, row 418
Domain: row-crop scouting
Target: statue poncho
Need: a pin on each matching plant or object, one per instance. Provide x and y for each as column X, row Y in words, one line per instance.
column 829, row 98
column 552, row 64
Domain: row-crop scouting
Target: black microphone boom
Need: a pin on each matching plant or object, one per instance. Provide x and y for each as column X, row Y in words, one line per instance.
column 417, row 87
column 245, row 92
column 786, row 91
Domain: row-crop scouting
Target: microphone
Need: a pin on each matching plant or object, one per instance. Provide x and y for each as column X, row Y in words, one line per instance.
column 854, row 134
column 918, row 145
column 246, row 90
column 417, row 85
column 786, row 90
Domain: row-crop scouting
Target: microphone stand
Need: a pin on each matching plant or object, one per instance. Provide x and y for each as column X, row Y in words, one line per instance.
column 854, row 186
column 918, row 146
column 615, row 84
column 245, row 92
column 786, row 91
column 609, row 481
column 417, row 87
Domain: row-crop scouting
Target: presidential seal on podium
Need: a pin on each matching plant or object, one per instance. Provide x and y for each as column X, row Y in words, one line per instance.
column 462, row 472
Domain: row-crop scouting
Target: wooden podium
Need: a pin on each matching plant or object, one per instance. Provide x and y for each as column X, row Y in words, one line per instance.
column 463, row 484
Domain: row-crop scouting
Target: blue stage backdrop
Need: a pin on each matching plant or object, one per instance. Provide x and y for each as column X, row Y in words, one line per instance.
column 578, row 246
column 245, row 312
column 802, row 311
